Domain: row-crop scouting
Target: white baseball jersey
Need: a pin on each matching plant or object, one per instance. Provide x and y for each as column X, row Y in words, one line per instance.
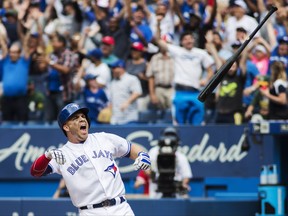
column 90, row 172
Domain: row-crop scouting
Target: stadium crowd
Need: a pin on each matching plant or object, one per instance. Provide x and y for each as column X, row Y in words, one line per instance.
column 142, row 61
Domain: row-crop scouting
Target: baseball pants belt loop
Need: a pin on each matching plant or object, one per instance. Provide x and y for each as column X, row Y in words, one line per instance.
column 105, row 203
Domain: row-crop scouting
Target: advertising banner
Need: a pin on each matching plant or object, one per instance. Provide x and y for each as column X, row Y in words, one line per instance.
column 213, row 151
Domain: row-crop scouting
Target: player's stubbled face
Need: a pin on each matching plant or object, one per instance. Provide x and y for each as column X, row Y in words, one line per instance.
column 77, row 128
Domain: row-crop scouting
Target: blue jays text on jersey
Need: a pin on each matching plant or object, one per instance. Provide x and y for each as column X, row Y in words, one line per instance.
column 79, row 161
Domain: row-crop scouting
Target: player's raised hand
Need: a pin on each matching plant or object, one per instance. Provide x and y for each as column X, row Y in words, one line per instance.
column 142, row 161
column 57, row 155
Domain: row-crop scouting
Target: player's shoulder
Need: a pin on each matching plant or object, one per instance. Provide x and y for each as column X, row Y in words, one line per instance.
column 103, row 135
column 97, row 134
column 100, row 134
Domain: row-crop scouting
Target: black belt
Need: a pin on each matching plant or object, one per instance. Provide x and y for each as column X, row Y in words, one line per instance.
column 179, row 87
column 105, row 203
column 164, row 86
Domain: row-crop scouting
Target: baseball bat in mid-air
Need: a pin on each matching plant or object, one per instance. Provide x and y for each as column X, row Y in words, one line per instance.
column 216, row 79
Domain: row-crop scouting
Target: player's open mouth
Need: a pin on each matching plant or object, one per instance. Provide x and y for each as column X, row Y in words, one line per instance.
column 83, row 128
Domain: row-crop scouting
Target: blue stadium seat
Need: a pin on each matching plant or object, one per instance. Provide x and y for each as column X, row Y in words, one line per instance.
column 148, row 116
column 165, row 117
column 155, row 116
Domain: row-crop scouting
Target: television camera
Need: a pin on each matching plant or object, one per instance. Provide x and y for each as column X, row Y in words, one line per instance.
column 166, row 163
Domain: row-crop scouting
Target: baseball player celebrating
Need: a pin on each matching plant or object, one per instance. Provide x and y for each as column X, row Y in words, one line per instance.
column 87, row 164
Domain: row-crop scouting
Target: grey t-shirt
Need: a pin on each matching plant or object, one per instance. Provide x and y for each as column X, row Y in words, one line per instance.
column 136, row 70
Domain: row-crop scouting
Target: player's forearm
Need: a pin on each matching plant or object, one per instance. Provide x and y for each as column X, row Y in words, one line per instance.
column 135, row 149
column 39, row 166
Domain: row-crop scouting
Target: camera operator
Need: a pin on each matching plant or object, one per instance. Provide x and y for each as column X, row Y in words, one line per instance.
column 170, row 169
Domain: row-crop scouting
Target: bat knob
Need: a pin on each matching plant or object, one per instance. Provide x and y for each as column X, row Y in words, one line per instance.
column 202, row 96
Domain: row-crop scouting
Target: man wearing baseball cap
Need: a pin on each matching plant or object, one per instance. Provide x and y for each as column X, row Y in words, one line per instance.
column 87, row 164
column 98, row 67
column 107, row 48
column 125, row 89
column 138, row 46
column 239, row 18
column 136, row 65
column 93, row 65
column 108, row 40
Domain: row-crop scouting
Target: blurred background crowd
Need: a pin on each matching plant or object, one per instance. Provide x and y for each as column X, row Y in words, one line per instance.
column 142, row 61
